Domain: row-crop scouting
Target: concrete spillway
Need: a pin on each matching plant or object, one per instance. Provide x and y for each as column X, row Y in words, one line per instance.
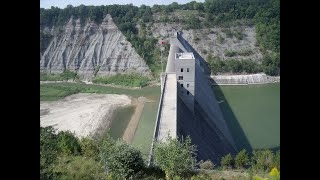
column 204, row 121
column 240, row 79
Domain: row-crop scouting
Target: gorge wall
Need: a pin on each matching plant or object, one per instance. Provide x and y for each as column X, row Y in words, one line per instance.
column 90, row 49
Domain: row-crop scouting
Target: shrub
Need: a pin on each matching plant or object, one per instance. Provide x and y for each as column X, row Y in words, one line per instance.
column 133, row 80
column 89, row 148
column 262, row 160
column 207, row 165
column 276, row 162
column 48, row 152
column 274, row 174
column 79, row 167
column 68, row 143
column 227, row 161
column 175, row 157
column 120, row 159
column 241, row 159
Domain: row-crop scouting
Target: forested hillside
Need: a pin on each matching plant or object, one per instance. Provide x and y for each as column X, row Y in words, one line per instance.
column 136, row 25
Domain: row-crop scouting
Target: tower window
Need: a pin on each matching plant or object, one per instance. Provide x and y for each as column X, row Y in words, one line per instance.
column 181, row 85
column 188, row 93
column 187, row 85
column 187, row 70
column 181, row 69
column 180, row 77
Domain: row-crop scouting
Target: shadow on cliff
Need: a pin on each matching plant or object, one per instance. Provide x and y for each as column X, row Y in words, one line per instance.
column 237, row 132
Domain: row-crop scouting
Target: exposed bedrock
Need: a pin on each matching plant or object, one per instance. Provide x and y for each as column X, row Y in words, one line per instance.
column 90, row 49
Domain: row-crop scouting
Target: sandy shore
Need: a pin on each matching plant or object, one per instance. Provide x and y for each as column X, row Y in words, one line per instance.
column 83, row 114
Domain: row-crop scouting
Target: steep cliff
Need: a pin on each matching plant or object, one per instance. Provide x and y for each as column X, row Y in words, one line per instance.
column 91, row 49
column 215, row 41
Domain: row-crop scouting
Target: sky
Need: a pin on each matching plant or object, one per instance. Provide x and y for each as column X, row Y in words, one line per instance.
column 63, row 3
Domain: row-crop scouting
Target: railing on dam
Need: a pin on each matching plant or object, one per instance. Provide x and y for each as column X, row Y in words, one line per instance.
column 156, row 127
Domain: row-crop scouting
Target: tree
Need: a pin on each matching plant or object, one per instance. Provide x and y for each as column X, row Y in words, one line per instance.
column 227, row 161
column 175, row 157
column 262, row 160
column 48, row 152
column 68, row 143
column 89, row 148
column 241, row 159
column 120, row 159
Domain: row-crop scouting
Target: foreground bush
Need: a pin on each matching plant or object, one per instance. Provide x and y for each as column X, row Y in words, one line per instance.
column 120, row 159
column 262, row 160
column 207, row 165
column 175, row 158
column 241, row 159
column 79, row 167
column 227, row 161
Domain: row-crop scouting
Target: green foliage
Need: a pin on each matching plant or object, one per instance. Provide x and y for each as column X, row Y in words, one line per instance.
column 45, row 39
column 120, row 159
column 65, row 76
column 227, row 161
column 236, row 66
column 89, row 148
column 271, row 64
column 79, row 167
column 174, row 157
column 50, row 77
column 201, row 176
column 49, row 92
column 274, row 174
column 193, row 22
column 48, row 152
column 262, row 160
column 276, row 160
column 245, row 52
column 133, row 80
column 68, row 143
column 230, row 53
column 207, row 165
column 241, row 159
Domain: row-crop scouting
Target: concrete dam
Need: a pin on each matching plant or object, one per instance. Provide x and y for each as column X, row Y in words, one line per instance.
column 188, row 105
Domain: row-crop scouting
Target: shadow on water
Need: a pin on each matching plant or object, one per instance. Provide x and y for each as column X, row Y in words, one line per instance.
column 237, row 132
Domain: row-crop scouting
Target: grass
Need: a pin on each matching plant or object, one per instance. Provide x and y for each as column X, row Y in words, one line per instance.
column 66, row 75
column 132, row 80
column 56, row 91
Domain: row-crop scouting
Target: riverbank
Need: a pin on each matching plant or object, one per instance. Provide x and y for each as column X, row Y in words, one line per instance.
column 247, row 79
column 83, row 114
column 150, row 84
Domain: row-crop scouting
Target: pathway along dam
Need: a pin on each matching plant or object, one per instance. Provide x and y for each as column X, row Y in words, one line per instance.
column 188, row 105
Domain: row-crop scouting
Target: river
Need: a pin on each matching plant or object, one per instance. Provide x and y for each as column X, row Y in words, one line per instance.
column 252, row 113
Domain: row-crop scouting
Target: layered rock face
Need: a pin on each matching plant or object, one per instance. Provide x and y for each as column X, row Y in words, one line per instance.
column 91, row 49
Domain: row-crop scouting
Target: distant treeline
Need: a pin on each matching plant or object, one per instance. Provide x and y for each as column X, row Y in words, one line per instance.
column 264, row 14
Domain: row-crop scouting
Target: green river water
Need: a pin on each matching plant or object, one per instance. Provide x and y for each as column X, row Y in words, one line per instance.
column 252, row 113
